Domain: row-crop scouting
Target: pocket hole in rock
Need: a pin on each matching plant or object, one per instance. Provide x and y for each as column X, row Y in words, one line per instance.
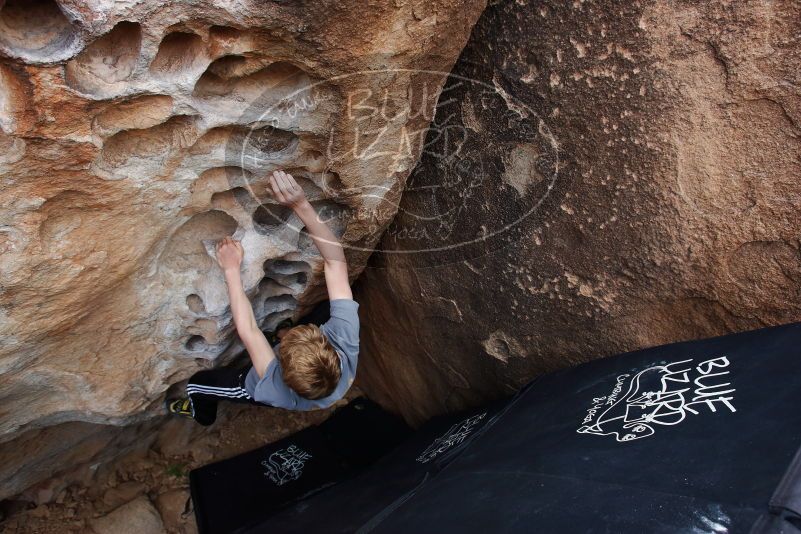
column 185, row 250
column 231, row 199
column 109, row 60
column 285, row 267
column 227, row 67
column 269, row 140
column 270, row 288
column 196, row 344
column 274, row 319
column 295, row 282
column 268, row 217
column 244, row 79
column 218, row 179
column 154, row 143
column 179, row 52
column 195, row 303
column 36, row 30
column 138, row 113
column 205, row 328
column 280, row 303
column 215, row 81
column 239, row 144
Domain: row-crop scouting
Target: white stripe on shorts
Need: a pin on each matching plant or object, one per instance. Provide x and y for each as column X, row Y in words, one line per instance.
column 220, row 392
column 213, row 388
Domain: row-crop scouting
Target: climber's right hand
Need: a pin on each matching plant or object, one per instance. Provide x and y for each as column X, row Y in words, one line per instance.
column 286, row 190
column 229, row 253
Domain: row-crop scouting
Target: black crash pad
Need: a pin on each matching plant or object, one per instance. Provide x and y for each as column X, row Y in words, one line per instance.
column 690, row 437
column 232, row 494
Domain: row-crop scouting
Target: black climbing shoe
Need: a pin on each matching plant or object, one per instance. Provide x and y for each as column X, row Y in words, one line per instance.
column 182, row 407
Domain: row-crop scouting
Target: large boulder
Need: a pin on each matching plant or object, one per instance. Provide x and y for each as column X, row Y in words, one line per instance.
column 617, row 175
column 135, row 134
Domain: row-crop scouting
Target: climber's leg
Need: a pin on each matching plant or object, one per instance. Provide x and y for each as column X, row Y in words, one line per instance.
column 206, row 388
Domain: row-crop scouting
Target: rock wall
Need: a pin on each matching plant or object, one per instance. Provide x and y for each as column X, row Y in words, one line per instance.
column 135, row 134
column 617, row 175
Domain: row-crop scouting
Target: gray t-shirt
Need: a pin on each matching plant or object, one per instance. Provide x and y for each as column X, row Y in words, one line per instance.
column 342, row 331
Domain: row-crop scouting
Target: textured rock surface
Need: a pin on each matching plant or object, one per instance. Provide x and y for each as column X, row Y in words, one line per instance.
column 671, row 209
column 71, row 502
column 136, row 517
column 133, row 135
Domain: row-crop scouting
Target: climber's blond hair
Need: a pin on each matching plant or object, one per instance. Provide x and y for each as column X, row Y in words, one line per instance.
column 309, row 364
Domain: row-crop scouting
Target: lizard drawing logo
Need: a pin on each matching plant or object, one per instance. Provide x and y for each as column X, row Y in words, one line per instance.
column 661, row 395
column 286, row 465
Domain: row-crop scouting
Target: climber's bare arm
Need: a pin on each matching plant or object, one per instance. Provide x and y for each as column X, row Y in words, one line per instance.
column 229, row 256
column 289, row 193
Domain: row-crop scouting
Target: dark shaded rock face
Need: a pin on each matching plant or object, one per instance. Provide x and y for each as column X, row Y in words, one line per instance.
column 600, row 177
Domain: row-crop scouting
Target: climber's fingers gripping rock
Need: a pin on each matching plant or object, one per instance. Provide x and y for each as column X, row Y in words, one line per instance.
column 286, row 189
column 229, row 253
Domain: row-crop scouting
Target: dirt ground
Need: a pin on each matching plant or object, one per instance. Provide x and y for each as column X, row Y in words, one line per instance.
column 159, row 473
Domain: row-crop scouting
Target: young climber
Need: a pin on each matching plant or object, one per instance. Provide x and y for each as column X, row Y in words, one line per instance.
column 311, row 367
